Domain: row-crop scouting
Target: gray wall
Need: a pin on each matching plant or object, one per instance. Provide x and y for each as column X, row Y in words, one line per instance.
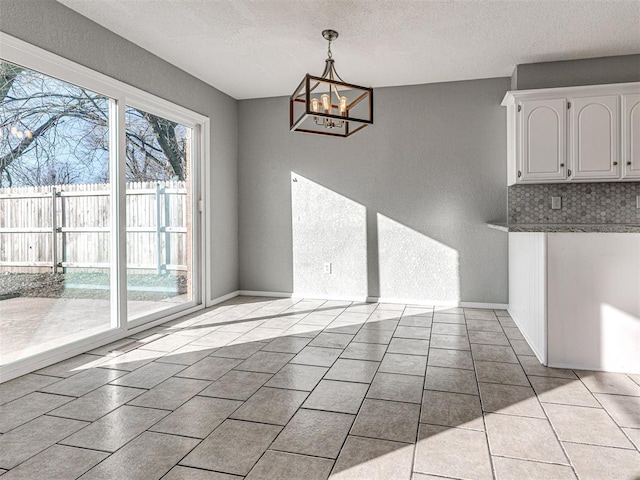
column 58, row 29
column 588, row 71
column 398, row 209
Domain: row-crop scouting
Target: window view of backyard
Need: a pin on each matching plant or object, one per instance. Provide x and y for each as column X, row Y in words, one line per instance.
column 158, row 211
column 56, row 210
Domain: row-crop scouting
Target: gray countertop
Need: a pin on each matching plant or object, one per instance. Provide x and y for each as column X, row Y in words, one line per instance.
column 565, row 227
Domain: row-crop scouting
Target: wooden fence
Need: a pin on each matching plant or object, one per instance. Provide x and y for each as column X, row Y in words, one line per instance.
column 55, row 228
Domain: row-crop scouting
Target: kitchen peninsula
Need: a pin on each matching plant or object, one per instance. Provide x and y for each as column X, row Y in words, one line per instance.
column 574, row 224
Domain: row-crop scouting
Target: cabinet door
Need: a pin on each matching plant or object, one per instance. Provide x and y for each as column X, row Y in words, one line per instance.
column 631, row 136
column 594, row 138
column 542, row 140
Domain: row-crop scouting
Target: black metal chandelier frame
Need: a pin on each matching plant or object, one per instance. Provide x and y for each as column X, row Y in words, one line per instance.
column 308, row 114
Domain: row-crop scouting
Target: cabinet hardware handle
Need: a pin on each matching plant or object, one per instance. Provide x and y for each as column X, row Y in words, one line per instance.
column 519, row 173
column 569, row 172
column 562, row 165
column 615, row 163
column 628, row 163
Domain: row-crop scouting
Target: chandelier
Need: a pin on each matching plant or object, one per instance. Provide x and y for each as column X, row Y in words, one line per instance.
column 327, row 105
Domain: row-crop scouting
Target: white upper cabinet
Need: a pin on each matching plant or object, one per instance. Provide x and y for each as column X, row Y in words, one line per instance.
column 543, row 140
column 595, row 138
column 574, row 134
column 631, row 136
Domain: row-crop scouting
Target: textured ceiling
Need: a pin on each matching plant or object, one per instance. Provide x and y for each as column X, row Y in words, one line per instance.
column 262, row 48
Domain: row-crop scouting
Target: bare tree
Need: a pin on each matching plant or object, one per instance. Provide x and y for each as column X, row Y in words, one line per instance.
column 55, row 132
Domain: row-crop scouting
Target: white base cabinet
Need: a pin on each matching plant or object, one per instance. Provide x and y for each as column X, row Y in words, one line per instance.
column 576, row 298
column 528, row 288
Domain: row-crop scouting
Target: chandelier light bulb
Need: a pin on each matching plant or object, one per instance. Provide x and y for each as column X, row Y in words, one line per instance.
column 326, row 103
column 315, row 105
column 343, row 105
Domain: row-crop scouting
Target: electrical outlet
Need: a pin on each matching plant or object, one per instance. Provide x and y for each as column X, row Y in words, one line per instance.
column 327, row 267
column 556, row 203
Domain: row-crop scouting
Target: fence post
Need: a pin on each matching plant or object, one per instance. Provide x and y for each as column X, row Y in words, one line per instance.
column 63, row 236
column 54, row 231
column 167, row 235
column 158, row 231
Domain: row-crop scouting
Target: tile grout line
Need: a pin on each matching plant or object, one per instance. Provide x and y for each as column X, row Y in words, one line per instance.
column 110, row 454
column 223, row 421
column 422, row 395
column 528, row 460
column 415, row 443
column 631, row 449
column 482, row 412
column 300, row 407
column 620, row 428
column 251, row 396
column 355, row 416
column 546, row 416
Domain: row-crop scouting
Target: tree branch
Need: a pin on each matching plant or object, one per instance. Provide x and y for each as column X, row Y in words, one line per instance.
column 19, row 149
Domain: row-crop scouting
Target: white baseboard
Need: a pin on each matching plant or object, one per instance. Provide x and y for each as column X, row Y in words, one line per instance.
column 320, row 296
column 260, row 293
column 595, row 368
column 538, row 355
column 310, row 296
column 406, row 301
column 215, row 301
column 491, row 306
column 438, row 303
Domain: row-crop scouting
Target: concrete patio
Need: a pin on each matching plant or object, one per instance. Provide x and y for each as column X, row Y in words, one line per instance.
column 31, row 325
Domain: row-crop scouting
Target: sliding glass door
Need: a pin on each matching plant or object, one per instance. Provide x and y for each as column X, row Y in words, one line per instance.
column 55, row 213
column 160, row 274
column 98, row 230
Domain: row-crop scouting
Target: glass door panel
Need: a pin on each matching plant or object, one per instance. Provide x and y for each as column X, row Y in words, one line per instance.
column 159, row 215
column 55, row 213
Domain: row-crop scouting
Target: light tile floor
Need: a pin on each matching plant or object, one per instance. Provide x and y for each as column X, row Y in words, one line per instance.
column 283, row 389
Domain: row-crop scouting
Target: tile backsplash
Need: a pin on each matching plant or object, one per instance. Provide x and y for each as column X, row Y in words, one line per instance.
column 581, row 203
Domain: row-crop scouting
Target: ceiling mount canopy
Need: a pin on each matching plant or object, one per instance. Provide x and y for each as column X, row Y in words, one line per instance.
column 327, row 105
